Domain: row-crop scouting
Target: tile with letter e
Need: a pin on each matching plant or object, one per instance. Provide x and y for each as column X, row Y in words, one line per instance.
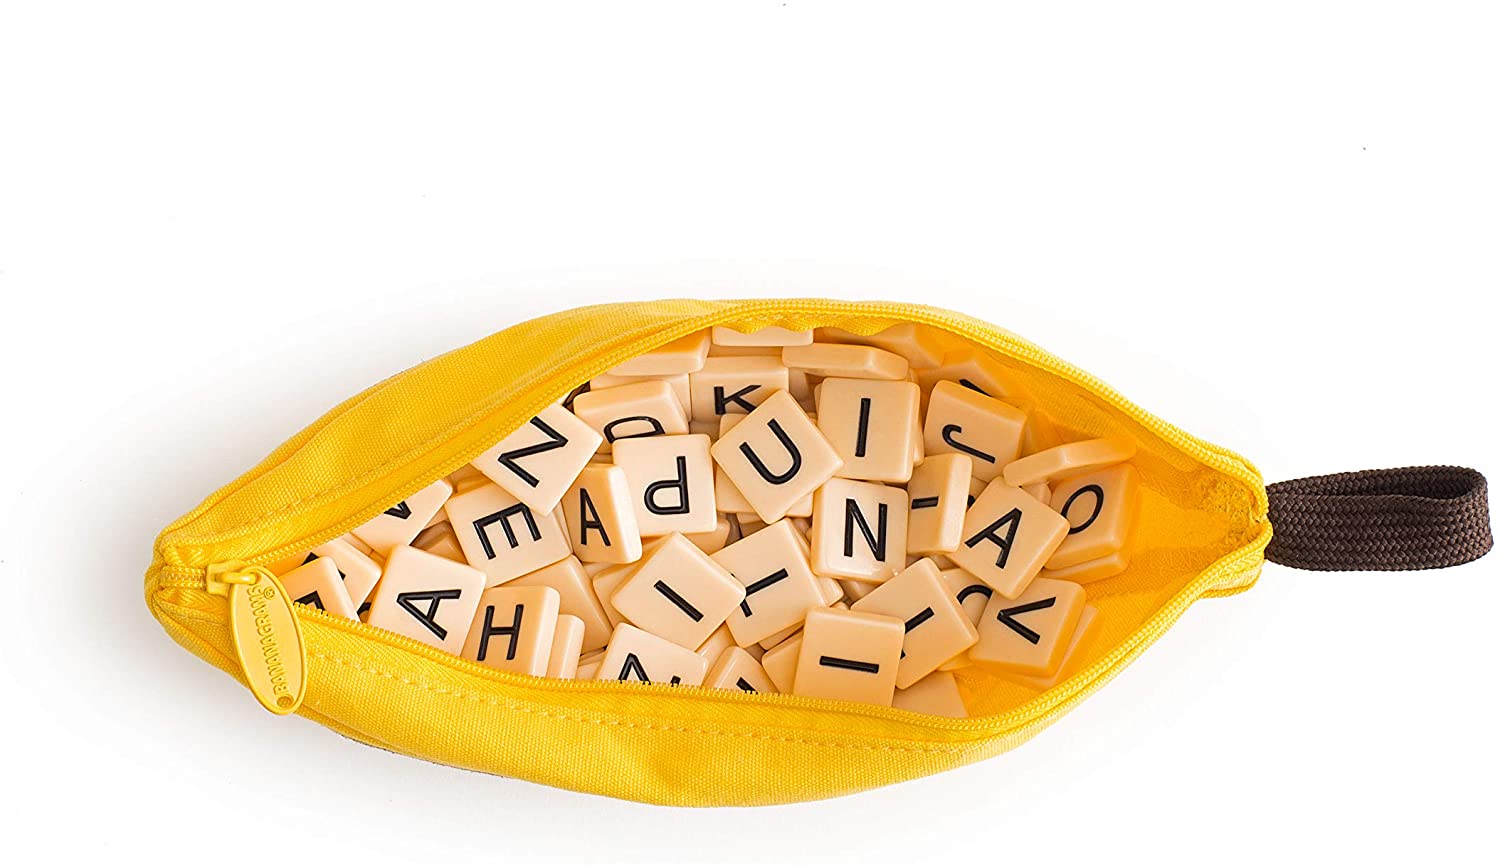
column 358, row 571
column 1069, row 461
column 635, row 655
column 735, row 385
column 538, row 462
column 831, row 360
column 671, row 482
column 427, row 598
column 601, row 516
column 780, row 662
column 937, row 628
column 503, row 537
column 846, row 655
column 779, row 584
column 873, row 426
column 685, row 354
column 939, row 494
column 1028, row 634
column 513, row 629
column 1100, row 508
column 567, row 640
column 766, row 336
column 400, row 523
column 636, row 410
column 775, row 457
column 963, row 421
column 678, row 593
column 737, row 670
column 1072, row 661
column 575, row 598
column 972, row 595
column 937, row 694
column 317, row 585
column 1008, row 536
column 859, row 531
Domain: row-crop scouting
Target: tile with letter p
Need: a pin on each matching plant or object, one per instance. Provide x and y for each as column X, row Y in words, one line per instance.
column 671, row 483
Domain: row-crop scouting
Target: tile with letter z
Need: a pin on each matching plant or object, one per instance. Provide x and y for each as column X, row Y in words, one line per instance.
column 538, row 462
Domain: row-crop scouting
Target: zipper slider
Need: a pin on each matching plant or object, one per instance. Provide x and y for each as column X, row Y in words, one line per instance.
column 267, row 637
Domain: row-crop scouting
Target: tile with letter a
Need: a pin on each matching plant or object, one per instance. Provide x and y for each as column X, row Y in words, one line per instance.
column 567, row 641
column 766, row 336
column 576, row 598
column 538, row 462
column 873, row 426
column 513, row 629
column 937, row 628
column 779, row 584
column 317, row 584
column 637, row 410
column 846, row 361
column 859, row 531
column 678, row 356
column 847, row 655
column 937, row 694
column 635, row 655
column 399, row 524
column 601, row 517
column 973, row 595
column 1083, row 636
column 775, row 457
column 960, row 420
column 427, row 598
column 1008, row 536
column 735, row 385
column 1028, row 634
column 939, row 492
column 358, row 571
column 503, row 537
column 678, row 593
column 671, row 482
column 1100, row 508
column 737, row 670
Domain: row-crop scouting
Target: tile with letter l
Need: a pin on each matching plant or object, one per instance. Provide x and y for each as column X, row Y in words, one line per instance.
column 400, row 523
column 937, row 694
column 736, row 670
column 685, row 354
column 960, row 420
column 427, row 598
column 939, row 493
column 538, row 462
column 831, row 360
column 846, row 655
column 636, row 410
column 513, row 629
column 873, row 426
column 937, row 628
column 317, row 584
column 859, row 531
column 635, row 655
column 503, row 537
column 678, row 593
column 1028, row 635
column 1008, row 537
column 735, row 385
column 562, row 662
column 779, row 584
column 671, row 482
column 575, row 598
column 601, row 516
column 1100, row 508
column 775, row 457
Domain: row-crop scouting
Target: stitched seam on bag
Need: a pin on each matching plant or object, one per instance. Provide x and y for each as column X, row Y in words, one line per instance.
column 492, row 701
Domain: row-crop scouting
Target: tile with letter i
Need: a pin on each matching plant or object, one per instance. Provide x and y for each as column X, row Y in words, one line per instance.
column 678, row 356
column 1028, row 634
column 635, row 655
column 939, row 491
column 400, row 523
column 317, row 585
column 737, row 670
column 678, row 593
column 766, row 336
column 601, row 516
column 637, row 410
column 779, row 585
column 735, row 385
column 1072, row 662
column 775, row 457
column 1100, row 508
column 780, row 662
column 427, row 598
column 538, row 462
column 671, row 482
column 937, row 628
column 503, row 537
column 567, row 641
column 513, row 629
column 358, row 571
column 1007, row 537
column 937, row 694
column 873, row 426
column 972, row 595
column 832, row 360
column 576, row 598
column 960, row 420
column 846, row 655
column 859, row 531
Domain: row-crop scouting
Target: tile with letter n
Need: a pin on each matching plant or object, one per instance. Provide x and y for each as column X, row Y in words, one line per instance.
column 503, row 537
column 636, row 410
column 399, row 524
column 939, row 493
column 847, row 655
column 427, row 598
column 1101, row 509
column 775, row 457
column 937, row 694
column 513, row 629
column 859, row 531
column 736, row 670
column 1007, row 538
column 577, row 599
column 635, row 655
column 678, row 593
column 601, row 517
column 671, row 482
column 317, row 584
column 937, row 629
column 965, row 421
column 1029, row 634
column 538, row 462
column 735, row 385
column 873, row 426
column 779, row 584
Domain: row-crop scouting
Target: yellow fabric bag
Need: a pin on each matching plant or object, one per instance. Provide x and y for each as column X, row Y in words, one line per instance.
column 1204, row 529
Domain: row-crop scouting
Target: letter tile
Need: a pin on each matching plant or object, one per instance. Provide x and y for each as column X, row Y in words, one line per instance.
column 513, row 629
column 576, row 598
column 637, row 410
column 716, row 643
column 1069, row 461
column 854, row 589
column 846, row 361
column 678, row 593
column 678, row 356
column 938, row 490
column 503, row 537
column 779, row 585
column 737, row 670
column 848, row 655
column 937, row 694
column 730, row 385
column 1100, row 508
column 427, row 598
column 1072, row 661
column 606, row 582
column 873, row 426
column 859, row 530
column 960, row 420
column 317, row 584
column 973, row 595
column 681, row 388
column 588, row 666
column 937, row 628
column 399, row 524
column 735, row 501
column 1093, row 570
column 441, row 541
column 635, row 655
column 712, row 542
column 765, row 336
column 538, row 462
column 1008, row 537
column 562, row 660
column 1028, row 634
column 921, row 346
column 600, row 514
column 775, row 457
column 780, row 662
column 358, row 571
column 671, row 482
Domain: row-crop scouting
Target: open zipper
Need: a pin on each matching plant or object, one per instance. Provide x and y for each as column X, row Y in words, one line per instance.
column 235, row 577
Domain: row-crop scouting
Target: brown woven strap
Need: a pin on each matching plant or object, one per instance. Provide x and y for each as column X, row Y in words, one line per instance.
column 1380, row 520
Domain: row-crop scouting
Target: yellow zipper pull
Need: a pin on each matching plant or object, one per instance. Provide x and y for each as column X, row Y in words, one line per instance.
column 267, row 638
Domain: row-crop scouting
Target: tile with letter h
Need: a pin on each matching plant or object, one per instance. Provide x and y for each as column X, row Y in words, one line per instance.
column 504, row 537
column 513, row 629
column 538, row 462
column 427, row 598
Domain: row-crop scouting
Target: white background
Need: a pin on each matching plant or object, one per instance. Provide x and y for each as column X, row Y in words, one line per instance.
column 1273, row 223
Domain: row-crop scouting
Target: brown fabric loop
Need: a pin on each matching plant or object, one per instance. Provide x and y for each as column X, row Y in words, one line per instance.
column 1405, row 519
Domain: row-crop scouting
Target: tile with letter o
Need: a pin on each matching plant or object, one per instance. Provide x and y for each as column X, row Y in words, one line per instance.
column 1101, row 509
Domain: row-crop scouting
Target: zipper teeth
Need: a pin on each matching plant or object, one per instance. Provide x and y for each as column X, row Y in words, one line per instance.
column 550, row 388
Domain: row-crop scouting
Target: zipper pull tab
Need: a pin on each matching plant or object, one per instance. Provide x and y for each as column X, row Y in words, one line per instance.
column 267, row 637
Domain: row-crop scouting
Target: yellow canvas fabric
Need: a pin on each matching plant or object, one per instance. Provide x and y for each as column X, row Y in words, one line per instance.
column 1203, row 530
